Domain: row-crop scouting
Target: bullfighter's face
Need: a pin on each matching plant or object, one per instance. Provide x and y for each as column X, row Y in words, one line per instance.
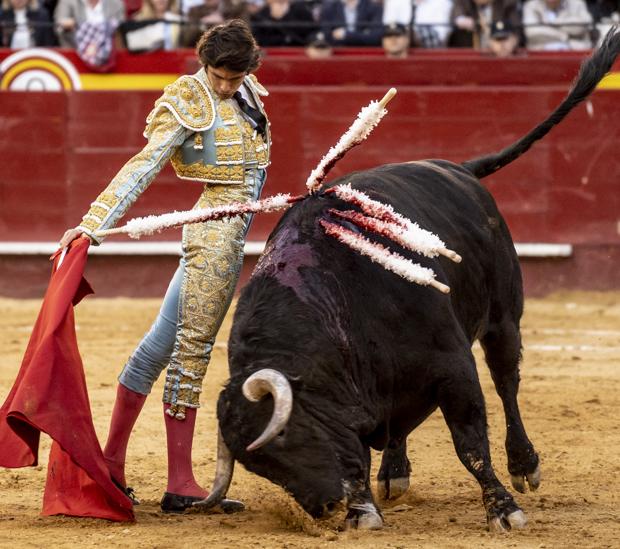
column 302, row 458
column 225, row 82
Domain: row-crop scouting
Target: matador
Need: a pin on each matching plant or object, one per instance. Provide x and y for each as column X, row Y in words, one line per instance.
column 213, row 128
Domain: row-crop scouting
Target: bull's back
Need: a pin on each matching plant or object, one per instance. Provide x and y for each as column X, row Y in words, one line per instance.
column 441, row 197
column 449, row 201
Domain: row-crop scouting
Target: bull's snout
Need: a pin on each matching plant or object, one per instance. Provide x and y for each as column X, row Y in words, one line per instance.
column 326, row 510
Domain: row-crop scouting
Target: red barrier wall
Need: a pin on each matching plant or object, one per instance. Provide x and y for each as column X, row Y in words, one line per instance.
column 58, row 150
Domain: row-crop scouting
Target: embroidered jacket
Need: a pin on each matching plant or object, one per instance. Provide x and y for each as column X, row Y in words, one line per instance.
column 207, row 140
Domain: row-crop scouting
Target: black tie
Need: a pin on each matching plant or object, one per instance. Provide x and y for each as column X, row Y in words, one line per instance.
column 257, row 116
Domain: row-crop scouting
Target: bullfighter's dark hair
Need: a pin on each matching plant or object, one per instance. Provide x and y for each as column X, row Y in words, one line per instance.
column 231, row 46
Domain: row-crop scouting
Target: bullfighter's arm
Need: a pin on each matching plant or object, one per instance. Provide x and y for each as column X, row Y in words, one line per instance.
column 165, row 134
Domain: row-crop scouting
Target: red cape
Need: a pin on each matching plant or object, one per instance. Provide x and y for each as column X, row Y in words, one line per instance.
column 50, row 395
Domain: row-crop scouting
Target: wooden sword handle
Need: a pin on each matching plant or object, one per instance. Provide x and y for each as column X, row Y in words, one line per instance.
column 108, row 232
column 387, row 97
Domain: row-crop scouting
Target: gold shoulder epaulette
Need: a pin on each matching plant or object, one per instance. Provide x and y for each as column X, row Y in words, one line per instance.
column 256, row 85
column 189, row 101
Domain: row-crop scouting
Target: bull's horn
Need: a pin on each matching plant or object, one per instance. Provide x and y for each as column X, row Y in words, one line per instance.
column 223, row 475
column 270, row 381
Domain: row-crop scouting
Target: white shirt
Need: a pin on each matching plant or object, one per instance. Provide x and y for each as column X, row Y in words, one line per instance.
column 95, row 15
column 427, row 12
column 436, row 13
column 21, row 37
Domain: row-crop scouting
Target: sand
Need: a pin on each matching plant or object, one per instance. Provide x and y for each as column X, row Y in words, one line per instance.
column 570, row 396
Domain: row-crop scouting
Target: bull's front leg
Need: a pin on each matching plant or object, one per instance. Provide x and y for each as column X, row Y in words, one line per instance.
column 362, row 512
column 393, row 476
column 462, row 404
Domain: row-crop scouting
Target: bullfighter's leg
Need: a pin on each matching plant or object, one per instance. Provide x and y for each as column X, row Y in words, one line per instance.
column 462, row 404
column 363, row 513
column 138, row 376
column 502, row 347
column 393, row 476
column 213, row 254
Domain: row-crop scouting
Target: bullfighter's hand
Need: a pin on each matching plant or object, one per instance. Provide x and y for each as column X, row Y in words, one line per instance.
column 71, row 235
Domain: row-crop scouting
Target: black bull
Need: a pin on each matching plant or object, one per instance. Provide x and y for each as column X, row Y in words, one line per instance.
column 361, row 357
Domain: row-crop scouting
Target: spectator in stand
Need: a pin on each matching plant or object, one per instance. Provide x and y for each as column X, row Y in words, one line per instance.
column 396, row 41
column 24, row 25
column 162, row 25
column 318, row 47
column 283, row 23
column 208, row 14
column 255, row 5
column 352, row 22
column 486, row 25
column 557, row 25
column 70, row 14
column 431, row 19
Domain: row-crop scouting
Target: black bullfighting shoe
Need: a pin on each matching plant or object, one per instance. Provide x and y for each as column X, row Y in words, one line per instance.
column 174, row 503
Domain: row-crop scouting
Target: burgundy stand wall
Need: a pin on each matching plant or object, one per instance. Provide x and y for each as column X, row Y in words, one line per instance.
column 58, row 150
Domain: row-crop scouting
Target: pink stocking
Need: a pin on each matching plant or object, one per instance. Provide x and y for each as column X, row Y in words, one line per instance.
column 180, row 435
column 126, row 410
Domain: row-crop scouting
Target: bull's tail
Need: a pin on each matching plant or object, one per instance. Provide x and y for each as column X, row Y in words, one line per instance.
column 590, row 74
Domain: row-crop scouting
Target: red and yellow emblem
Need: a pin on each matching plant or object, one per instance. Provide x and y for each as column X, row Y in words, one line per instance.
column 38, row 69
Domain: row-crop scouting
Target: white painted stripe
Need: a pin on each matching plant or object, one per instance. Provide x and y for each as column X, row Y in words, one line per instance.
column 559, row 347
column 542, row 249
column 560, row 331
column 582, row 348
column 532, row 249
column 113, row 248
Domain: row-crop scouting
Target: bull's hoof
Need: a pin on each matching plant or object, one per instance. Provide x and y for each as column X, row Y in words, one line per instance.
column 363, row 517
column 392, row 488
column 504, row 521
column 533, row 481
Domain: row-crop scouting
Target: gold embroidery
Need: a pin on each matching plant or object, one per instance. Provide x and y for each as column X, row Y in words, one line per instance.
column 226, row 154
column 98, row 211
column 213, row 252
column 209, row 174
column 108, row 198
column 228, row 134
column 262, row 152
column 186, row 93
column 198, row 141
column 89, row 223
column 189, row 101
column 226, row 112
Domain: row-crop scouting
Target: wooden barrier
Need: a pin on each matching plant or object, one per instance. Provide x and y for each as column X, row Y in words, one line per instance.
column 58, row 150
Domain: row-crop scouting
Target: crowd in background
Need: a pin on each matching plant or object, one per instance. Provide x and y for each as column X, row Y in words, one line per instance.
column 500, row 27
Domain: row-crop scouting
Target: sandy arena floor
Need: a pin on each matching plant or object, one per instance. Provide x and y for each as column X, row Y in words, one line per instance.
column 570, row 398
